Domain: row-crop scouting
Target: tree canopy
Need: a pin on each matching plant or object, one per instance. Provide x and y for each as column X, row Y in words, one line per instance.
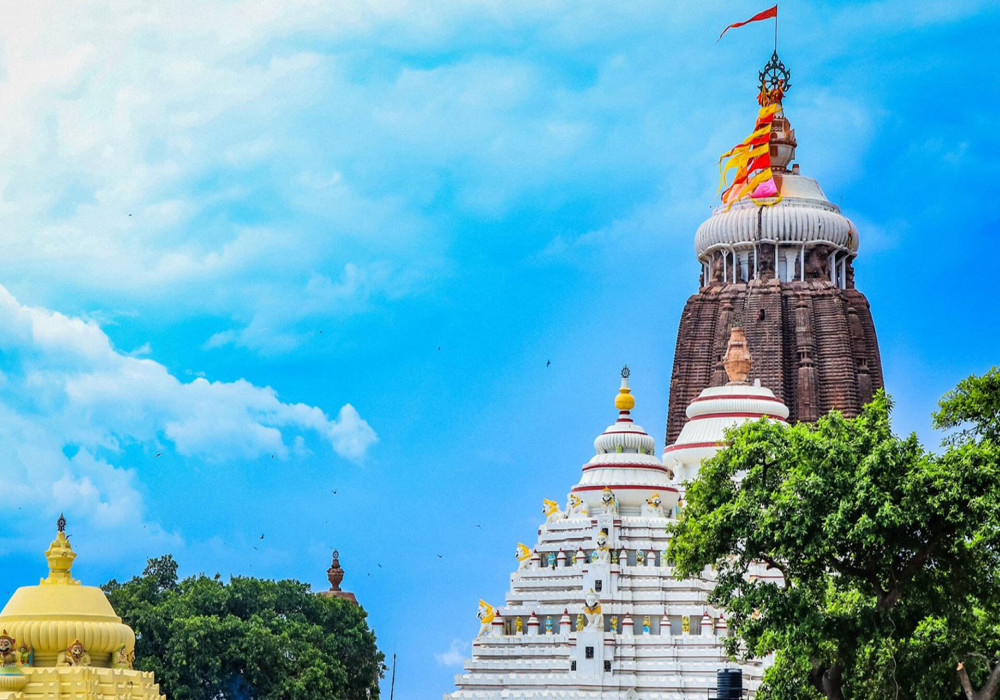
column 206, row 639
column 888, row 555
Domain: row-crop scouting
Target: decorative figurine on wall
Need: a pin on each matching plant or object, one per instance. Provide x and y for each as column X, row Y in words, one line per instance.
column 640, row 557
column 592, row 607
column 579, row 623
column 485, row 615
column 523, row 555
column 551, row 559
column 552, row 512
column 75, row 655
column 653, row 507
column 645, row 624
column 601, row 552
column 609, row 503
column 518, row 625
column 123, row 658
column 614, row 624
column 9, row 658
column 575, row 508
column 548, row 624
column 26, row 655
column 686, row 624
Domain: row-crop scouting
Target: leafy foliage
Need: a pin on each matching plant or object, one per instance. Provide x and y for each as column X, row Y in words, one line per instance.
column 867, row 565
column 251, row 638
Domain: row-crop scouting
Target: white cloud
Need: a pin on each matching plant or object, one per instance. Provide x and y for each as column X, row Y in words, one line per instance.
column 454, row 656
column 71, row 406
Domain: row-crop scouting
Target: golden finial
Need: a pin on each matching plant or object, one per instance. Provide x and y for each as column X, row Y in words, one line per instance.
column 624, row 401
column 737, row 359
column 60, row 556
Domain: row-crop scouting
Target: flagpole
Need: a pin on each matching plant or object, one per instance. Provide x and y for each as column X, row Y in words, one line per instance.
column 775, row 30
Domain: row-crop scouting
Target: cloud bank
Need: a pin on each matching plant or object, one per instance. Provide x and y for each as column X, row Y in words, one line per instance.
column 72, row 408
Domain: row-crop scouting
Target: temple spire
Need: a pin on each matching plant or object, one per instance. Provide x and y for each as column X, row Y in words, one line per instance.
column 60, row 556
column 624, row 402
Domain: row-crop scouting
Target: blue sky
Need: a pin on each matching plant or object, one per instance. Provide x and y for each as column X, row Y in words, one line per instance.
column 297, row 269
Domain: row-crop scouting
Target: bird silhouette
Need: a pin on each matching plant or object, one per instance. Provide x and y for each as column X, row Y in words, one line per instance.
column 262, row 535
column 158, row 454
column 549, row 363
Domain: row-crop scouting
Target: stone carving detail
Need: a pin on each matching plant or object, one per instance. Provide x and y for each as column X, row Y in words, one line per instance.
column 844, row 353
column 123, row 658
column 9, row 658
column 523, row 555
column 25, row 655
column 75, row 655
column 486, row 616
column 575, row 508
column 592, row 608
column 653, row 507
column 609, row 502
column 601, row 552
column 552, row 512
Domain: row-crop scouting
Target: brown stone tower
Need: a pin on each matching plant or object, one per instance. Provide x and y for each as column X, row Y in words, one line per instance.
column 784, row 273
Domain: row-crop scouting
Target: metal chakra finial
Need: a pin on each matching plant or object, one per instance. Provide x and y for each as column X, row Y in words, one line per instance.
column 625, row 372
column 61, row 523
column 775, row 78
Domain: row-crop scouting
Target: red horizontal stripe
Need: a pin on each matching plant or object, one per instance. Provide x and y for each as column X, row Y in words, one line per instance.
column 625, row 466
column 627, row 487
column 737, row 396
column 740, row 415
column 692, row 445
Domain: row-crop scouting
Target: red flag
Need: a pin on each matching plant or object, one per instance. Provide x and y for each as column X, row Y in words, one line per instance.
column 766, row 14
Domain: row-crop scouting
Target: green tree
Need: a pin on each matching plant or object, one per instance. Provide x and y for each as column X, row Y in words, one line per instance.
column 882, row 560
column 206, row 639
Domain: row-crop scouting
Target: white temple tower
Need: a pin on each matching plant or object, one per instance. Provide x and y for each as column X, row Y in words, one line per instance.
column 593, row 610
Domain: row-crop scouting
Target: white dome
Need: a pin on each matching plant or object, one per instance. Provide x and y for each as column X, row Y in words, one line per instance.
column 804, row 215
column 716, row 410
column 625, row 462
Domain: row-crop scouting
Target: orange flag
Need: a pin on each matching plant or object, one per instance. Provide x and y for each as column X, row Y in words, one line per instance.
column 766, row 14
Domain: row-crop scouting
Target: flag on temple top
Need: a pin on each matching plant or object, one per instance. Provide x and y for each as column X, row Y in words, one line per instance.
column 766, row 14
column 752, row 161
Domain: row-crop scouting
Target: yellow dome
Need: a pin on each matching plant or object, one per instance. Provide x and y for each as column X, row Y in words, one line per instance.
column 59, row 611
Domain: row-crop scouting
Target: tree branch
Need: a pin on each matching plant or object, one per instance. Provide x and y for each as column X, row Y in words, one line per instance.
column 773, row 564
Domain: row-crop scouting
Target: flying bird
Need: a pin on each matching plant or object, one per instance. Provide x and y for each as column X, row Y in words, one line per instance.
column 158, row 454
column 262, row 535
column 549, row 363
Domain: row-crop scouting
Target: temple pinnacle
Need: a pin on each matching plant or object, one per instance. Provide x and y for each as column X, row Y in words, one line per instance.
column 61, row 523
column 625, row 401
